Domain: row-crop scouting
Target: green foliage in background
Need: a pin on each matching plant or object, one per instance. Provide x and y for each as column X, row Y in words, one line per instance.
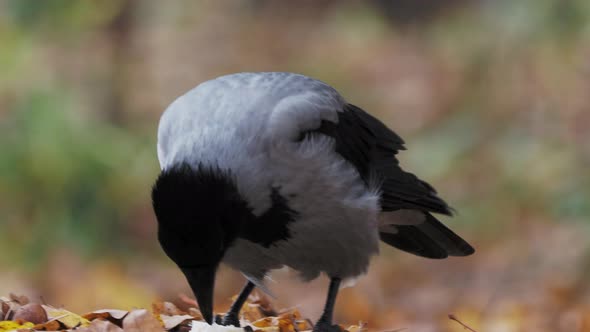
column 69, row 180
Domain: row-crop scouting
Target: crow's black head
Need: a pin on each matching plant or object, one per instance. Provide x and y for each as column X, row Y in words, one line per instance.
column 199, row 212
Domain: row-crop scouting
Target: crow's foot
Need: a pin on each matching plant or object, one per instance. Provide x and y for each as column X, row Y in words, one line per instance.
column 227, row 320
column 322, row 326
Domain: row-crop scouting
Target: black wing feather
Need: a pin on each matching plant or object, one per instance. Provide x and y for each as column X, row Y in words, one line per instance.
column 412, row 240
column 429, row 239
column 371, row 147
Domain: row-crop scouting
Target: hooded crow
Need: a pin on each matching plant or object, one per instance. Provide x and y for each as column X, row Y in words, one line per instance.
column 264, row 170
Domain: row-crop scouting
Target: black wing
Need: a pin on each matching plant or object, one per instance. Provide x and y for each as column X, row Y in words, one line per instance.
column 371, row 148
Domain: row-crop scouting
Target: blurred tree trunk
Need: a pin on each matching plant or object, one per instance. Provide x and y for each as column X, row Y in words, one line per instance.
column 119, row 32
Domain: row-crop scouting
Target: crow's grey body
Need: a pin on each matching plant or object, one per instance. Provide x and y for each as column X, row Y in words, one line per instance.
column 249, row 124
column 263, row 129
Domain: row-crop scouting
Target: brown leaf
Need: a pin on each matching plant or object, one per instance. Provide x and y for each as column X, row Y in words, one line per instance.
column 31, row 312
column 251, row 312
column 269, row 329
column 359, row 328
column 100, row 325
column 166, row 308
column 291, row 314
column 9, row 306
column 265, row 322
column 286, row 325
column 112, row 315
column 20, row 299
column 52, row 325
column 141, row 320
column 263, row 303
column 303, row 325
column 4, row 309
column 171, row 322
column 107, row 314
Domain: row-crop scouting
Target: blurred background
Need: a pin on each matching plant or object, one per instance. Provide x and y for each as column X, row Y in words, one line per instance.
column 491, row 96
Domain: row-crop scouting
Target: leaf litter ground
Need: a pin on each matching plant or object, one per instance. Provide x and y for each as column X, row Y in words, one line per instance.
column 18, row 313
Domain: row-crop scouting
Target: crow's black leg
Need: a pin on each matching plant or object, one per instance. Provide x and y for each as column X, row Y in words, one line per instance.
column 324, row 324
column 232, row 316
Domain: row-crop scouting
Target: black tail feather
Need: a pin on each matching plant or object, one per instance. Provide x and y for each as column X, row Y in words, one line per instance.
column 429, row 239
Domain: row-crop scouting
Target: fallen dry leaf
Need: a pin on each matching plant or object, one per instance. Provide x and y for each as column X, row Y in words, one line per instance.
column 265, row 322
column 251, row 312
column 100, row 325
column 65, row 317
column 165, row 316
column 303, row 325
column 52, row 325
column 141, row 320
column 4, row 310
column 9, row 306
column 359, row 328
column 20, row 299
column 268, row 329
column 263, row 304
column 112, row 315
column 286, row 325
column 171, row 322
column 31, row 312
column 166, row 308
column 7, row 325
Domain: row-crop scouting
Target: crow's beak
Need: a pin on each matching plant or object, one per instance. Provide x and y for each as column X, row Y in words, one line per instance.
column 202, row 282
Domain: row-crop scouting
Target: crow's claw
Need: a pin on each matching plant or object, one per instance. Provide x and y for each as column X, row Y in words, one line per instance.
column 322, row 326
column 227, row 320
